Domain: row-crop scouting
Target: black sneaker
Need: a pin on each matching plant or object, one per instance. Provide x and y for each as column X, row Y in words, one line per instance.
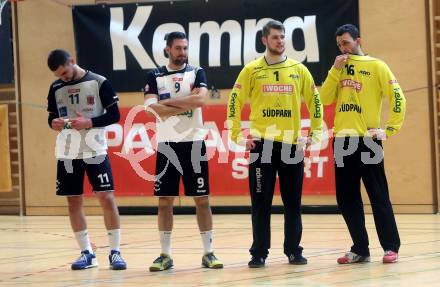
column 256, row 262
column 297, row 260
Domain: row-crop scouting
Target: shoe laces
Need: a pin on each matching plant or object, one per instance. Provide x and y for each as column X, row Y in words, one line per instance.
column 82, row 257
column 351, row 255
column 389, row 252
column 116, row 257
column 292, row 257
column 160, row 259
column 210, row 256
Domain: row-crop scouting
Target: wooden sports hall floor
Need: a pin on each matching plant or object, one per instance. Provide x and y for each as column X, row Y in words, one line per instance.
column 37, row 251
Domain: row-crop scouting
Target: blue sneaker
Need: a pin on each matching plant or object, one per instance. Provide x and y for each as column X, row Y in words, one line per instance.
column 86, row 260
column 116, row 261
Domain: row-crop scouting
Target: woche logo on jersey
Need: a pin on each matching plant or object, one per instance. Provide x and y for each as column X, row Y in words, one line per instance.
column 278, row 88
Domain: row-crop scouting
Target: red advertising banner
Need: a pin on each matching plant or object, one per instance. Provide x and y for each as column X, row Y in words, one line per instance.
column 132, row 154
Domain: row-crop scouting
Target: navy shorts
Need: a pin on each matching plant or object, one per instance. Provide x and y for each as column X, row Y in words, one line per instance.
column 181, row 159
column 70, row 175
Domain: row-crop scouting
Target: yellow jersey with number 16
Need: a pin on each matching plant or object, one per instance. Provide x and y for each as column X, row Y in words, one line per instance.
column 358, row 89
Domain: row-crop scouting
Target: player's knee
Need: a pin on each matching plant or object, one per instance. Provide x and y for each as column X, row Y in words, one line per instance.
column 74, row 203
column 74, row 208
column 165, row 210
column 165, row 204
column 106, row 199
column 202, row 202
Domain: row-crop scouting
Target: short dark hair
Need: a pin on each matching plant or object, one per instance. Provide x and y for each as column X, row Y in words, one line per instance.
column 57, row 58
column 348, row 28
column 272, row 24
column 170, row 37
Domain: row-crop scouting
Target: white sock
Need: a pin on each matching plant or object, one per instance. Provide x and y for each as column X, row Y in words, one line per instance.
column 165, row 241
column 82, row 237
column 207, row 241
column 114, row 239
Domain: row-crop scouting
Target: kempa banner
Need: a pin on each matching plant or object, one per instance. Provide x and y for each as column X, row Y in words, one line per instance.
column 123, row 42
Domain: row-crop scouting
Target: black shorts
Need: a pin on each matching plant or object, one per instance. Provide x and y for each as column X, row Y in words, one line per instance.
column 174, row 161
column 70, row 175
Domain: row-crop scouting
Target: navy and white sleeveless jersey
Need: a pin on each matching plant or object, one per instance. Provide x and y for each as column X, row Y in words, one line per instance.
column 90, row 96
column 166, row 84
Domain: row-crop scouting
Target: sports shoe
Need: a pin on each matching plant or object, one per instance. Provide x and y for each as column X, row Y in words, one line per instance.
column 390, row 257
column 351, row 257
column 86, row 260
column 163, row 262
column 297, row 260
column 256, row 262
column 116, row 261
column 210, row 261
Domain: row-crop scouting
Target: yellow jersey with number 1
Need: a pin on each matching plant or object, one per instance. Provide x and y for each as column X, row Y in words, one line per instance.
column 274, row 93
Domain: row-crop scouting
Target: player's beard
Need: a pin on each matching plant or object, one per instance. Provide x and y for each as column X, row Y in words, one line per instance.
column 276, row 52
column 355, row 50
column 179, row 61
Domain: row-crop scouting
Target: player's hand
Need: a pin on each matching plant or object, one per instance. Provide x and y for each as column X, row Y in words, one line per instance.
column 304, row 142
column 250, row 144
column 340, row 61
column 309, row 142
column 195, row 91
column 57, row 124
column 81, row 122
column 378, row 134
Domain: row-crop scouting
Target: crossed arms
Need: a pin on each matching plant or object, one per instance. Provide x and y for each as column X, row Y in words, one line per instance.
column 170, row 107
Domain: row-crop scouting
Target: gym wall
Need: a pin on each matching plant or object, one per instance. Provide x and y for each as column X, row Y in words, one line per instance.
column 393, row 30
